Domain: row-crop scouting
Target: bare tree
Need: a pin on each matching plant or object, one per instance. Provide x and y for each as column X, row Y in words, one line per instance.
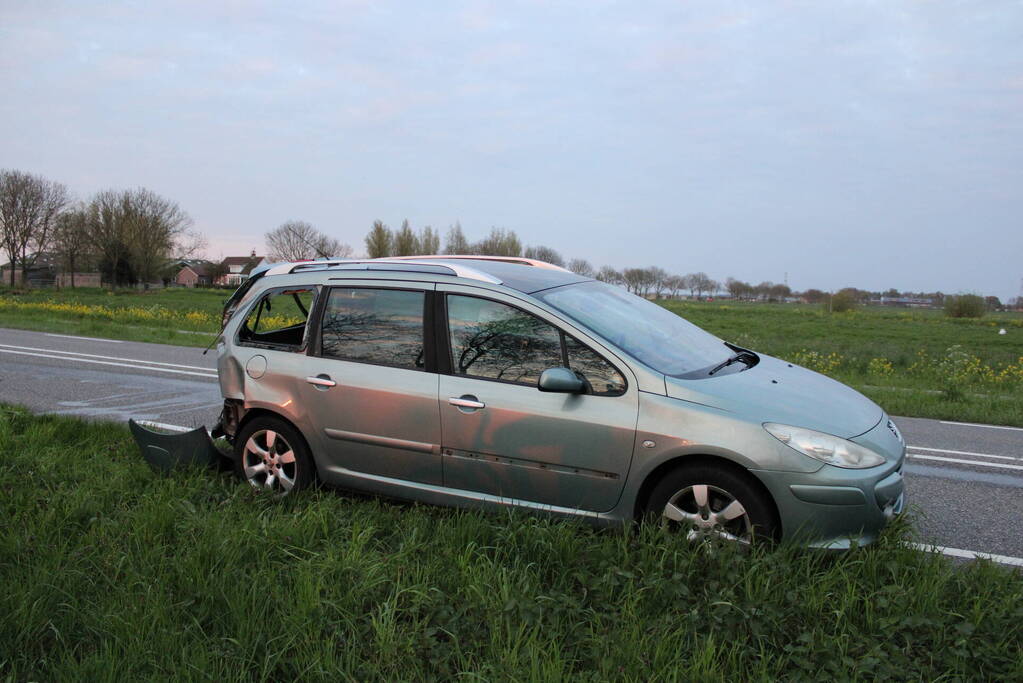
column 609, row 274
column 155, row 225
column 674, row 284
column 581, row 266
column 405, row 241
column 429, row 241
column 546, row 254
column 71, row 240
column 499, row 242
column 298, row 240
column 29, row 207
column 635, row 280
column 455, row 242
column 379, row 241
column 657, row 277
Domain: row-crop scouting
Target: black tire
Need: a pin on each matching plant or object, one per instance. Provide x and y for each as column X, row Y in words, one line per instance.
column 722, row 486
column 265, row 462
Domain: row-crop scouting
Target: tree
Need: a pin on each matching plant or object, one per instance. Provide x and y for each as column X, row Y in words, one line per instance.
column 581, row 266
column 29, row 208
column 674, row 284
column 455, row 242
column 656, row 280
column 546, row 254
column 738, row 289
column 71, row 240
column 217, row 270
column 405, row 241
column 780, row 292
column 814, row 296
column 637, row 280
column 379, row 241
column 429, row 241
column 609, row 275
column 298, row 240
column 698, row 283
column 499, row 242
column 154, row 227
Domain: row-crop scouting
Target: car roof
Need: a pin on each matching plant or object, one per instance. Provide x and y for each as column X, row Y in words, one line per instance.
column 524, row 275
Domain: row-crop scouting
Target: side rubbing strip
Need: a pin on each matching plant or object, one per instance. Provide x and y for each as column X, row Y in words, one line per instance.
column 358, row 437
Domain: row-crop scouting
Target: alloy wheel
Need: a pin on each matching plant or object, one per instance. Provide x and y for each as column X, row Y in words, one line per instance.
column 707, row 512
column 269, row 463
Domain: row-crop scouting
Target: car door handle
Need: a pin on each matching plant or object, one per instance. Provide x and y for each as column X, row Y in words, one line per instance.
column 464, row 402
column 321, row 381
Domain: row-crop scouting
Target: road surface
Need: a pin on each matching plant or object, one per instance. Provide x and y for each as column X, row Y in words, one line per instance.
column 965, row 480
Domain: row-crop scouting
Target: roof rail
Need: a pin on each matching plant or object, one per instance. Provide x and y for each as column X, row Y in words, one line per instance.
column 400, row 264
column 519, row 260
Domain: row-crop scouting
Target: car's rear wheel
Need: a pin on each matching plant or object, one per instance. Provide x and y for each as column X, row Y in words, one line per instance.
column 707, row 502
column 272, row 456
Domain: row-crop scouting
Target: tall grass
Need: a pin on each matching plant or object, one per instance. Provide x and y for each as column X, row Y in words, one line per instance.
column 112, row 572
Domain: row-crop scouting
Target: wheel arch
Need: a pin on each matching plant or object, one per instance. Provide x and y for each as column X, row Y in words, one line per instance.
column 689, row 460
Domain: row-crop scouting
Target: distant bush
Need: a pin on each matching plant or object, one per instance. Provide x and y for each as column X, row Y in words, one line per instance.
column 965, row 306
column 841, row 302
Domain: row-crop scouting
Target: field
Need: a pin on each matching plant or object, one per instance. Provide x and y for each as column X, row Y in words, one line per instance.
column 114, row 573
column 912, row 362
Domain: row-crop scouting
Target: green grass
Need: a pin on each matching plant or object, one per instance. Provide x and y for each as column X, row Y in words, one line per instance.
column 112, row 572
column 967, row 370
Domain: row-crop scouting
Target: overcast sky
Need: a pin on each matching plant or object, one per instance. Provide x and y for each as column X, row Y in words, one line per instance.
column 872, row 144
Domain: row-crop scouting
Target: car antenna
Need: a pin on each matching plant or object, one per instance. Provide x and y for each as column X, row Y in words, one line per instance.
column 306, row 242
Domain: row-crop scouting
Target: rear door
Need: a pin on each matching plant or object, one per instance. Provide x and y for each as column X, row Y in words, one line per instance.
column 370, row 390
column 502, row 435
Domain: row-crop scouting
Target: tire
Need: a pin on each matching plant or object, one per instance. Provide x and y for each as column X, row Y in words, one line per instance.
column 273, row 457
column 708, row 502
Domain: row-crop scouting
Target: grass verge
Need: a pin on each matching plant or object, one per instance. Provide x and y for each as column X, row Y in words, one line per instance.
column 112, row 572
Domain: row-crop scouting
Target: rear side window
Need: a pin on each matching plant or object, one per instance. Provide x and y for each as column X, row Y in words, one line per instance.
column 279, row 319
column 379, row 326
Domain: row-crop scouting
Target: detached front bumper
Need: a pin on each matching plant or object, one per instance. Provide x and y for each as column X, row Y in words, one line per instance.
column 835, row 507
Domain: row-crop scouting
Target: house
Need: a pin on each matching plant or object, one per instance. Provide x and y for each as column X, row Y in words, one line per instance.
column 194, row 273
column 238, row 268
column 43, row 272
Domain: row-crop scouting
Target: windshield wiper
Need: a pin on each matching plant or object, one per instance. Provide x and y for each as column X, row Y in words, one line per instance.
column 742, row 356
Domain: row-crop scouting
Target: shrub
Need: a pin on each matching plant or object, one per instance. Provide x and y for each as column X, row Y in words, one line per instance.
column 841, row 302
column 965, row 306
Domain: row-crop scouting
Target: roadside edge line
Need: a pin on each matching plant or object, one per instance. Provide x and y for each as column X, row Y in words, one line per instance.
column 968, row 554
column 977, row 424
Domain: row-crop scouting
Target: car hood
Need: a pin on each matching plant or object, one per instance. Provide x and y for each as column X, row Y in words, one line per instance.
column 774, row 390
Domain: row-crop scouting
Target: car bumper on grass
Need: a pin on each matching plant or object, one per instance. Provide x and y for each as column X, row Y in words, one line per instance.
column 836, row 508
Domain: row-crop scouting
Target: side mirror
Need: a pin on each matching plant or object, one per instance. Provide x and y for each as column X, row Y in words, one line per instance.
column 560, row 380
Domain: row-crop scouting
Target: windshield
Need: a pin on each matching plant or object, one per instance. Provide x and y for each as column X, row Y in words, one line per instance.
column 650, row 333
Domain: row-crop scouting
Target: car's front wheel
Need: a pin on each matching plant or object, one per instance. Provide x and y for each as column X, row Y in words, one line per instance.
column 272, row 456
column 705, row 502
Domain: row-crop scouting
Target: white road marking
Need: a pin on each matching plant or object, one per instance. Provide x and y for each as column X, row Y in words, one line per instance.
column 979, row 455
column 99, row 339
column 105, row 362
column 93, row 355
column 976, row 424
column 979, row 463
column 969, row 554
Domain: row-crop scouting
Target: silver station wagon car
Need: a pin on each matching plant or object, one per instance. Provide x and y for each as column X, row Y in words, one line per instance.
column 489, row 382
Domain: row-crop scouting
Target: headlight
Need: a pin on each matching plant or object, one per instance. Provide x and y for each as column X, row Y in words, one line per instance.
column 825, row 447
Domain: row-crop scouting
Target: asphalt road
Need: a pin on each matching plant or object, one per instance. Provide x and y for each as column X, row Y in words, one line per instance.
column 965, row 481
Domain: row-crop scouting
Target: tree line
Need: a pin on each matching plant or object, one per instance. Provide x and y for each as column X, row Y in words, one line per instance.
column 127, row 235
